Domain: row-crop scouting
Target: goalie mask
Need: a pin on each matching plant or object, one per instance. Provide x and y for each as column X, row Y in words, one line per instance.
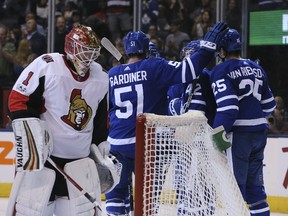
column 136, row 43
column 82, row 47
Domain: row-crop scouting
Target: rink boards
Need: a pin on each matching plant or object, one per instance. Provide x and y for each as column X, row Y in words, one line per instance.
column 275, row 169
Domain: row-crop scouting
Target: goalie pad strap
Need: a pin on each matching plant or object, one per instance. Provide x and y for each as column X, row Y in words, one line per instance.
column 33, row 143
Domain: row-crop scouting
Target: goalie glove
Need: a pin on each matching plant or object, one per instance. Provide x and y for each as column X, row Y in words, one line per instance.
column 108, row 180
column 33, row 143
column 213, row 37
column 104, row 148
column 220, row 139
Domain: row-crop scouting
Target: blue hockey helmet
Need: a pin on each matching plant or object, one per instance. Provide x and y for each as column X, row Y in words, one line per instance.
column 190, row 48
column 136, row 42
column 231, row 41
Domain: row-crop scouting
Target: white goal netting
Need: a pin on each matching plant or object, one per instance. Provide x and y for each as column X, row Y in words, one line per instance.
column 183, row 173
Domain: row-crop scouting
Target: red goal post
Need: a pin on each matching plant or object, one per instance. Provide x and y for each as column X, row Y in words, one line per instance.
column 178, row 171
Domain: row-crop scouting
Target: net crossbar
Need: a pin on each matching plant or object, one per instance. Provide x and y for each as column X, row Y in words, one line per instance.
column 180, row 172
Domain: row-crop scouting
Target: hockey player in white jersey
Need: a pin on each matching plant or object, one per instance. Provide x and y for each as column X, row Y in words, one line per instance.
column 244, row 100
column 58, row 107
column 140, row 86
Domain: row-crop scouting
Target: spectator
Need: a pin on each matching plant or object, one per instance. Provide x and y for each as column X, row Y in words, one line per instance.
column 149, row 14
column 162, row 20
column 60, row 33
column 152, row 34
column 188, row 8
column 98, row 23
column 244, row 100
column 175, row 39
column 42, row 12
column 277, row 123
column 91, row 7
column 15, row 34
column 37, row 40
column 70, row 6
column 31, row 15
column 7, row 54
column 119, row 17
column 21, row 59
column 204, row 5
column 232, row 15
column 76, row 18
column 281, row 107
column 202, row 26
column 175, row 10
column 59, row 7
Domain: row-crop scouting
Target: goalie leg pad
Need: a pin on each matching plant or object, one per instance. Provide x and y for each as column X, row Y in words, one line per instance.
column 66, row 206
column 32, row 198
column 33, row 143
column 85, row 173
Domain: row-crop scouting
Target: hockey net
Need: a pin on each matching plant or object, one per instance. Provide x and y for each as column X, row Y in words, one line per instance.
column 180, row 172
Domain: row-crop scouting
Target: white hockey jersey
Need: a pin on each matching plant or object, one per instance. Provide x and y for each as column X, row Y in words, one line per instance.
column 49, row 90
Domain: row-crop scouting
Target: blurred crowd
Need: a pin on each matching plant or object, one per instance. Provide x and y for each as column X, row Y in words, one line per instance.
column 169, row 24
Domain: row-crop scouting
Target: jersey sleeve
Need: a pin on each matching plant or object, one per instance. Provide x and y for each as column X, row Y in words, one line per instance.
column 25, row 99
column 226, row 100
column 268, row 102
column 100, row 123
column 174, row 72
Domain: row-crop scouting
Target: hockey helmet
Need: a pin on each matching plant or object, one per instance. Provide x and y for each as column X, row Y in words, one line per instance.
column 82, row 46
column 136, row 42
column 231, row 41
column 190, row 48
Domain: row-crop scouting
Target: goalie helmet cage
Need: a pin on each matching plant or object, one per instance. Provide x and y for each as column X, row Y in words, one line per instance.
column 180, row 172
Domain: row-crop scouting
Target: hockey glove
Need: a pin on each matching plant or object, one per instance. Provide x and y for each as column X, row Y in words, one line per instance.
column 104, row 148
column 153, row 51
column 220, row 139
column 213, row 37
column 109, row 169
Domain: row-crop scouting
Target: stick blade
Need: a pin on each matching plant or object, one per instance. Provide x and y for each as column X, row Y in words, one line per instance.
column 107, row 44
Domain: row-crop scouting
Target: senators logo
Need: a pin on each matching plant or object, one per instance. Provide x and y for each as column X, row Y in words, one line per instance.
column 79, row 112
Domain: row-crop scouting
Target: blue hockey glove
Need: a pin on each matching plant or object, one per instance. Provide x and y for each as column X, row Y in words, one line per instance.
column 153, row 51
column 213, row 37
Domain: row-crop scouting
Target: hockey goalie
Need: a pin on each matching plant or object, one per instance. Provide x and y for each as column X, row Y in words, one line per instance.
column 58, row 107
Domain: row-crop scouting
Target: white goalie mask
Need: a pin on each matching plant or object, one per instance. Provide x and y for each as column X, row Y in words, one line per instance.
column 82, row 47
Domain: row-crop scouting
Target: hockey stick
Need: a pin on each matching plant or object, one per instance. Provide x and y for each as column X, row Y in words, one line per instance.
column 71, row 180
column 187, row 104
column 107, row 44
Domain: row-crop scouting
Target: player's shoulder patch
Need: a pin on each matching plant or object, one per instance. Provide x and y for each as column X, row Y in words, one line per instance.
column 47, row 58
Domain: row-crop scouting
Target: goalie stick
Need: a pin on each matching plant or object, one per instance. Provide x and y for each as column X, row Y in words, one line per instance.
column 77, row 186
column 107, row 44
